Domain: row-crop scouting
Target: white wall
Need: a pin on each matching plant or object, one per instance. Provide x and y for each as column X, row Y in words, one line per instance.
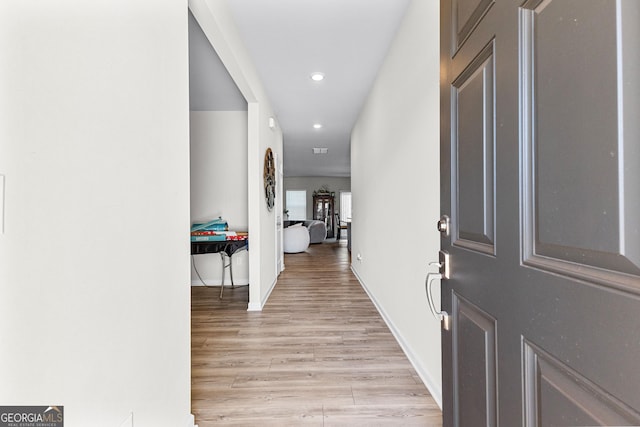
column 216, row 22
column 395, row 182
column 269, row 270
column 94, row 260
column 313, row 183
column 219, row 186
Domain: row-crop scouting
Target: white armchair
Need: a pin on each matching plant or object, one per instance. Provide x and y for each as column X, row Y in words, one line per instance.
column 295, row 239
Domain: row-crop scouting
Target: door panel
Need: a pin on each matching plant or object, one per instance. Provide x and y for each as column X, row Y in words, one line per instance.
column 565, row 197
column 474, row 365
column 473, row 147
column 582, row 130
column 540, row 175
column 629, row 92
column 555, row 395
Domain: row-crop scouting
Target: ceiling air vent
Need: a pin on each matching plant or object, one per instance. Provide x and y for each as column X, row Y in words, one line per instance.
column 323, row 150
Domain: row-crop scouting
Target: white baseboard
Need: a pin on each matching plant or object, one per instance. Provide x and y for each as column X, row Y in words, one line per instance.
column 260, row 305
column 254, row 307
column 191, row 421
column 426, row 377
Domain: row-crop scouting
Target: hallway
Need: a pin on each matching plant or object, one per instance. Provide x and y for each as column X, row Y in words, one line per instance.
column 319, row 354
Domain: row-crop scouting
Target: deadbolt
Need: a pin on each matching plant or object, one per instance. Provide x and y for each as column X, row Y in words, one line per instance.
column 444, row 225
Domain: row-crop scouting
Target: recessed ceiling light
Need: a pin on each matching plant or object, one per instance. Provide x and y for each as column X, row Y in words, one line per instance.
column 320, row 150
column 317, row 126
column 317, row 77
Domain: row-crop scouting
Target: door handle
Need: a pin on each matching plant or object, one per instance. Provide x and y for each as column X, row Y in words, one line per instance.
column 441, row 315
column 431, row 277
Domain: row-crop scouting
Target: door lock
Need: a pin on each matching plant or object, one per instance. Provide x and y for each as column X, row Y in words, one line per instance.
column 444, row 225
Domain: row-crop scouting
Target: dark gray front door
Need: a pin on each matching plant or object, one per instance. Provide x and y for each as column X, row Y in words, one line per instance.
column 540, row 157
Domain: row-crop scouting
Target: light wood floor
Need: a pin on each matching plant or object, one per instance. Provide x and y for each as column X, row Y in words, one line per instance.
column 318, row 354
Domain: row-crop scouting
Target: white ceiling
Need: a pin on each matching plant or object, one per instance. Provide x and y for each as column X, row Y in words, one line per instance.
column 346, row 40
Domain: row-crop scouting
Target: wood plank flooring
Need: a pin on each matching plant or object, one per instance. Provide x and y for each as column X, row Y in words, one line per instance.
column 319, row 354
